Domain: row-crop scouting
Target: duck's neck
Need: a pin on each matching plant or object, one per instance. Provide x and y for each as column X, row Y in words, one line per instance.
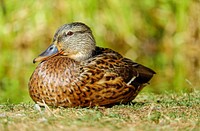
column 82, row 55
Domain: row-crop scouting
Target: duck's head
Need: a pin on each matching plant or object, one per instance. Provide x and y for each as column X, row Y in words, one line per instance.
column 74, row 40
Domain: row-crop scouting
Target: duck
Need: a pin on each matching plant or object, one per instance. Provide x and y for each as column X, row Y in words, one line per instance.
column 74, row 72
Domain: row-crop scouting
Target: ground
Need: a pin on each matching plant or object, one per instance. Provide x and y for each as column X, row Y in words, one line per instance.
column 147, row 112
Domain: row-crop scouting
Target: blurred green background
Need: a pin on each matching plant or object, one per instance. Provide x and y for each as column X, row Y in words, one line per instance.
column 161, row 34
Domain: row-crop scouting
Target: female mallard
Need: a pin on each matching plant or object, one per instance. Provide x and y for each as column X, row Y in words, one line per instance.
column 75, row 72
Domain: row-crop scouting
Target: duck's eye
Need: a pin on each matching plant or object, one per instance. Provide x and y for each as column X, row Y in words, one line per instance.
column 69, row 33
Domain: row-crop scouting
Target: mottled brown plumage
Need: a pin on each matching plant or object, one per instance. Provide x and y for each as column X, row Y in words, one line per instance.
column 75, row 72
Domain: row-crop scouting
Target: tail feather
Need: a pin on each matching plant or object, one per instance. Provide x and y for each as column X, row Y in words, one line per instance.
column 144, row 75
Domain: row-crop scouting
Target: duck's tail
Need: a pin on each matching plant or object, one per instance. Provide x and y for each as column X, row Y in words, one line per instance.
column 141, row 75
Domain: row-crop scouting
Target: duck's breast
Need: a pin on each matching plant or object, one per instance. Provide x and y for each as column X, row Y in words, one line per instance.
column 49, row 78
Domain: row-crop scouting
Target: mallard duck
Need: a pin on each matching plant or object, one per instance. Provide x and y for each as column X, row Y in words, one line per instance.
column 74, row 72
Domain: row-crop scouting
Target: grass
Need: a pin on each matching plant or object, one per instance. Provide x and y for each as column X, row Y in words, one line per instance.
column 147, row 112
column 161, row 34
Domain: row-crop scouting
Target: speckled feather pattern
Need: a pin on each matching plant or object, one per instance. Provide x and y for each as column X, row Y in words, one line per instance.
column 105, row 79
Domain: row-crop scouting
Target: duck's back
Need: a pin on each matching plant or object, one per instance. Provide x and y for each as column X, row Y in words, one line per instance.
column 104, row 79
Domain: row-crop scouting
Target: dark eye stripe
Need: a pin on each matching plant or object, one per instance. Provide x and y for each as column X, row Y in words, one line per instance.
column 69, row 34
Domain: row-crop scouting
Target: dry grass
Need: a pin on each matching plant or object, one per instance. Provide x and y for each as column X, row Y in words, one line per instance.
column 147, row 112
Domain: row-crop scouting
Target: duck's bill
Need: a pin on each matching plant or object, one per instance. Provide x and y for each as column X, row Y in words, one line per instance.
column 52, row 50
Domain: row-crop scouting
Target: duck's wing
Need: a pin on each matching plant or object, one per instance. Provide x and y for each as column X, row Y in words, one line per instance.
column 107, row 78
column 133, row 73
